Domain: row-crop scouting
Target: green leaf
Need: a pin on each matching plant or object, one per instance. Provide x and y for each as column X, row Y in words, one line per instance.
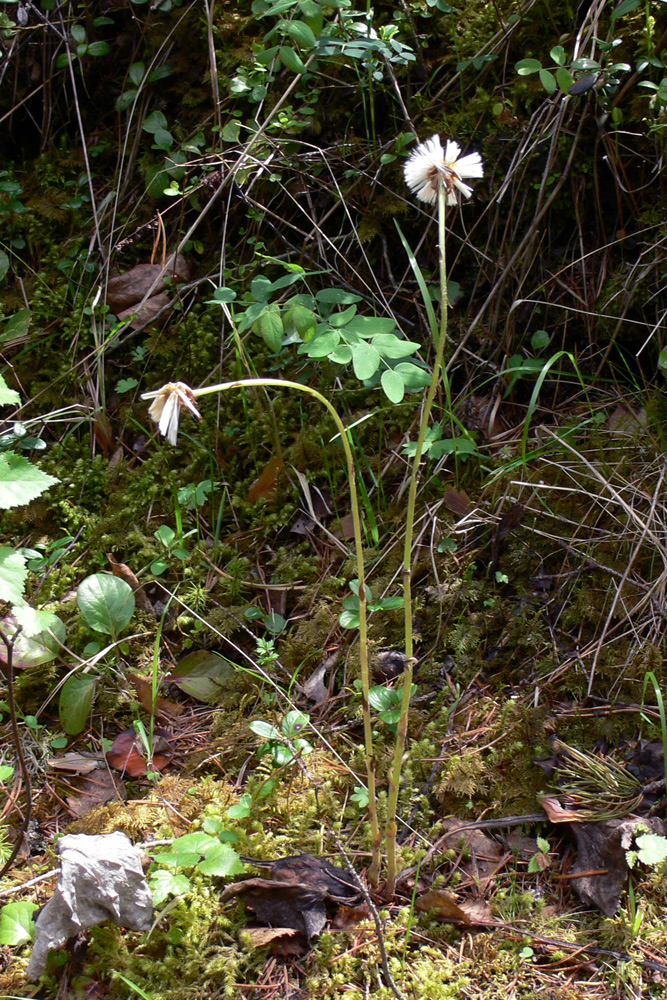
column 231, row 131
column 13, row 575
column 36, row 623
column 539, row 340
column 393, row 385
column 76, row 699
column 154, row 122
column 527, row 66
column 6, row 772
column 341, row 355
column 370, row 326
column 4, row 264
column 269, row 327
column 337, row 297
column 264, row 730
column 16, row 924
column 365, row 360
column 391, row 603
column 78, row 33
column 291, row 59
column 322, row 345
column 300, row 33
column 652, row 848
column 137, row 73
column 99, row 49
column 349, row 619
column 21, row 481
column 17, row 325
column 163, row 138
column 39, row 643
column 548, row 81
column 8, row 396
column 201, row 674
column 106, row 602
column 564, row 79
column 625, row 7
column 199, row 841
column 558, row 55
column 221, row 860
column 381, row 698
column 391, row 346
column 164, row 883
column 341, row 319
column 221, row 296
column 126, row 385
column 413, row 376
column 294, row 723
column 587, row 64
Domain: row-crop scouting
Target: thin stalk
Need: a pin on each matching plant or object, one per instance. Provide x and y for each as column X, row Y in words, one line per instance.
column 402, row 730
column 376, row 833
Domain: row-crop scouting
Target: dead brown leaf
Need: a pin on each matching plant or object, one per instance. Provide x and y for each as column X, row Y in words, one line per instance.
column 124, row 572
column 163, row 706
column 279, row 940
column 95, row 789
column 471, row 913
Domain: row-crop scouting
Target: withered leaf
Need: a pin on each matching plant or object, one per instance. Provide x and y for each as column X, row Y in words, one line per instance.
column 475, row 912
column 124, row 572
column 163, row 706
column 282, row 904
column 126, row 754
column 96, row 788
column 458, row 501
column 280, row 940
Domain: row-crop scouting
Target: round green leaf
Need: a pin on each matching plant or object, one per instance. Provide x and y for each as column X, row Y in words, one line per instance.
column 76, row 699
column 558, row 55
column 221, row 860
column 365, row 360
column 106, row 602
column 527, row 66
column 16, row 923
column 393, row 385
column 564, row 78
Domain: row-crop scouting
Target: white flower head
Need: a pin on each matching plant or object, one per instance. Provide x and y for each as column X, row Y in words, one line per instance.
column 429, row 166
column 166, row 408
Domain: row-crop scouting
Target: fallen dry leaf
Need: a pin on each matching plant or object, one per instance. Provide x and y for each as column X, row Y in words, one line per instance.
column 126, row 754
column 266, row 485
column 95, row 789
column 163, row 706
column 124, row 572
column 475, row 912
column 280, row 940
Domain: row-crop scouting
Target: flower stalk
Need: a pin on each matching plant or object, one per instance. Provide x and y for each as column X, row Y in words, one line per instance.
column 435, row 176
column 176, row 396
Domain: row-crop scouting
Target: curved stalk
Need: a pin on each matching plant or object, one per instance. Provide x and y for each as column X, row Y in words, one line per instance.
column 402, row 730
column 363, row 633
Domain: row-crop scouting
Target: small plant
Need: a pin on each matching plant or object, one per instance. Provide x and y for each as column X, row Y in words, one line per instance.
column 285, row 744
column 209, row 852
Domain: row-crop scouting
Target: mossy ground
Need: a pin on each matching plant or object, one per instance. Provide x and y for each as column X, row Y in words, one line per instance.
column 545, row 624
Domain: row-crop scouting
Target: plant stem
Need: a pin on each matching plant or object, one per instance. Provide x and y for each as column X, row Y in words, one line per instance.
column 376, row 833
column 402, row 730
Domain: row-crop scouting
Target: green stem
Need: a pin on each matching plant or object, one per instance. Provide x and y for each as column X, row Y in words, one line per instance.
column 402, row 730
column 363, row 633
